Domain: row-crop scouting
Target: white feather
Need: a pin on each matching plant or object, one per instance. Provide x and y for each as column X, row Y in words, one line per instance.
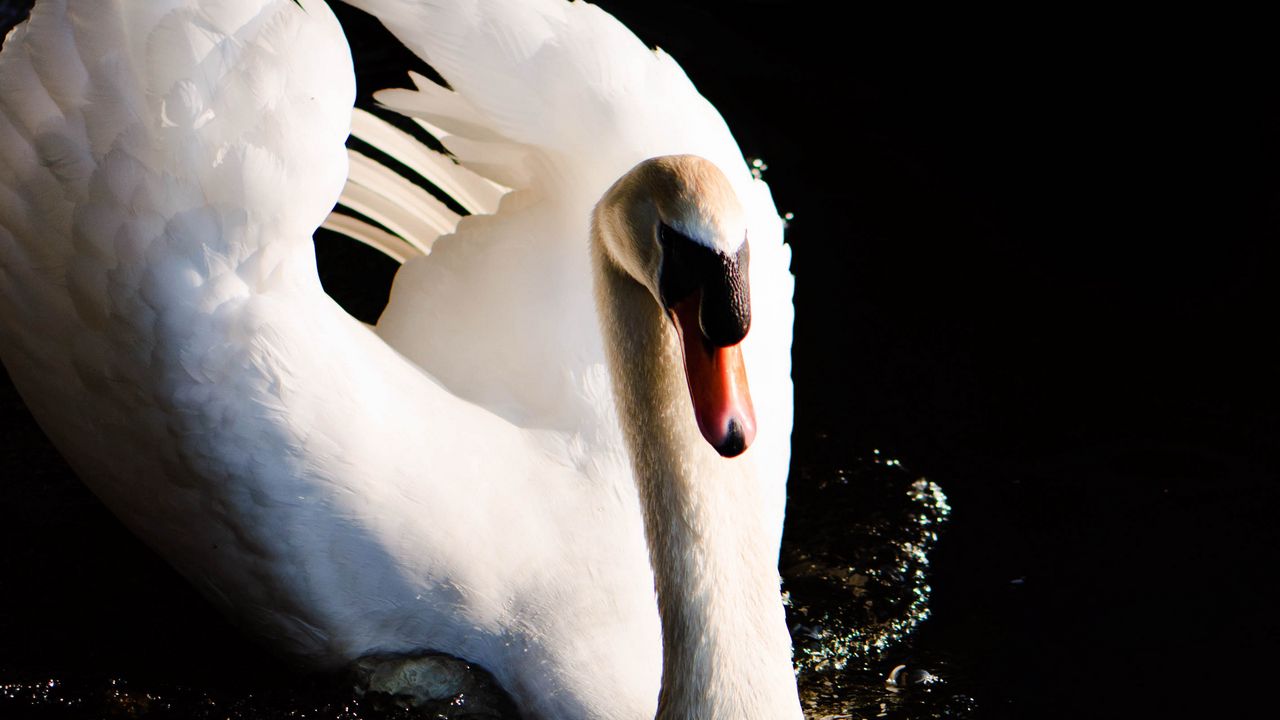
column 456, row 481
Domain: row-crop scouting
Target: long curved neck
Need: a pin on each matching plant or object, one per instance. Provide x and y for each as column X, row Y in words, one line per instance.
column 726, row 649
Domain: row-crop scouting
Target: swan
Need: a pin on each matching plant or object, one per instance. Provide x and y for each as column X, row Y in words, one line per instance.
column 561, row 452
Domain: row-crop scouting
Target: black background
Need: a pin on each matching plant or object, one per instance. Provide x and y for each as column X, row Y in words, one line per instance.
column 1035, row 259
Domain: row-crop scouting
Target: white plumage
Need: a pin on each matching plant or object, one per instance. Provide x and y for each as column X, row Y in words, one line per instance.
column 455, row 480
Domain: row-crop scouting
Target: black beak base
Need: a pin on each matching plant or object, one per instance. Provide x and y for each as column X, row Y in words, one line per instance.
column 724, row 314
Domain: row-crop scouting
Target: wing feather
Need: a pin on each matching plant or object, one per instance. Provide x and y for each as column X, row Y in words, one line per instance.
column 554, row 100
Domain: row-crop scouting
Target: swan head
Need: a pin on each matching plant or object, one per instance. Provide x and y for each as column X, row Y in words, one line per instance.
column 675, row 225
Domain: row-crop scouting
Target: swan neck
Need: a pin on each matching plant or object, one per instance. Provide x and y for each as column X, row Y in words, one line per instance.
column 726, row 648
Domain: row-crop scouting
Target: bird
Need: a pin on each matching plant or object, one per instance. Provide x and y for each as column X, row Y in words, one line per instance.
column 561, row 452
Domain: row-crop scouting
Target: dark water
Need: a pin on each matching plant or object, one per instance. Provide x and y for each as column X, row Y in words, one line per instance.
column 1035, row 260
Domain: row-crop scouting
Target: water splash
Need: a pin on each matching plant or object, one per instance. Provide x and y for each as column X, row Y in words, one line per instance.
column 758, row 166
column 856, row 577
column 324, row 697
column 854, row 562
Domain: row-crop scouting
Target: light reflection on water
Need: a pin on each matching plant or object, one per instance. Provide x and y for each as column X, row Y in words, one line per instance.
column 854, row 562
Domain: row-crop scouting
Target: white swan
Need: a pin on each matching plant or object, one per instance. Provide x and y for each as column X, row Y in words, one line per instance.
column 469, row 491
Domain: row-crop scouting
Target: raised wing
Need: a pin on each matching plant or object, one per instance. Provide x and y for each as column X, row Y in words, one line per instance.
column 556, row 100
column 163, row 165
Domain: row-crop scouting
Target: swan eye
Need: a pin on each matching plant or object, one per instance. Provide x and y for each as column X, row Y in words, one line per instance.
column 724, row 312
column 683, row 264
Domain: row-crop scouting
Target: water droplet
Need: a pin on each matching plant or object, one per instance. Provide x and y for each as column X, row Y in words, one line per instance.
column 902, row 677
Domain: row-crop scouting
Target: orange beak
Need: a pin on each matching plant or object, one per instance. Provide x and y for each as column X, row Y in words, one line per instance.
column 717, row 383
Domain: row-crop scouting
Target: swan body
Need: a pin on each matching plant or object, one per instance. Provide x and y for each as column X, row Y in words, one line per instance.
column 455, row 479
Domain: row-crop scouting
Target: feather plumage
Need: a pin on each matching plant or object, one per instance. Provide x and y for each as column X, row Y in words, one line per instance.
column 337, row 491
